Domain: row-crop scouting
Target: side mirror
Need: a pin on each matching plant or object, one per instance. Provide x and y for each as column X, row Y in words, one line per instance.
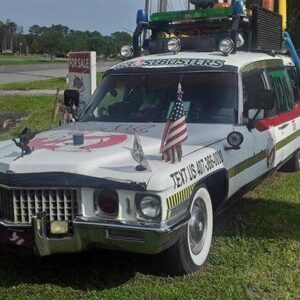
column 71, row 98
column 262, row 100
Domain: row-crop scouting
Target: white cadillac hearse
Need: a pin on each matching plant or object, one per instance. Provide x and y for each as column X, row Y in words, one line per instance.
column 229, row 117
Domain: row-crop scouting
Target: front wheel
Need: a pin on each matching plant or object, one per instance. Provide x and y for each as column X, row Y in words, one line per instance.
column 191, row 250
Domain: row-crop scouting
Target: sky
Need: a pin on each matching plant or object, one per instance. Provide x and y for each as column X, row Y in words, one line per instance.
column 105, row 16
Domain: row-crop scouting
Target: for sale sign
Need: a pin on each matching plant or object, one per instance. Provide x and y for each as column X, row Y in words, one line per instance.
column 82, row 74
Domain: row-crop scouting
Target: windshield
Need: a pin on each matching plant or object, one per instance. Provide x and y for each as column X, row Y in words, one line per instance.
column 209, row 97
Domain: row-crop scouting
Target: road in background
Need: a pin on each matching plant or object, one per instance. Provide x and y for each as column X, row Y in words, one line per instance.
column 10, row 74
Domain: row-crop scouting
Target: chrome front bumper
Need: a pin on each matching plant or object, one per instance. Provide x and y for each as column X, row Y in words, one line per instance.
column 117, row 236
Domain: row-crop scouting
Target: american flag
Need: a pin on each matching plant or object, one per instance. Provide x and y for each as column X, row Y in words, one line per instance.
column 175, row 132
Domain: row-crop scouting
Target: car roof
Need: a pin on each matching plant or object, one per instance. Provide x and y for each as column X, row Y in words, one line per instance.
column 238, row 60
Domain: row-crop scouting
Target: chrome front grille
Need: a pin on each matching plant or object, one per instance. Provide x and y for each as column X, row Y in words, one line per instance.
column 6, row 204
column 20, row 205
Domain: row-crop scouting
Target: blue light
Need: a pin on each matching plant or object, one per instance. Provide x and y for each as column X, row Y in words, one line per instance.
column 239, row 7
column 141, row 16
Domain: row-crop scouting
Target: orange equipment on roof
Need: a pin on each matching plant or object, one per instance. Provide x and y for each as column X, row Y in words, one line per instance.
column 268, row 4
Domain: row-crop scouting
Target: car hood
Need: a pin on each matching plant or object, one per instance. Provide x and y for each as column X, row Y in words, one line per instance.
column 106, row 152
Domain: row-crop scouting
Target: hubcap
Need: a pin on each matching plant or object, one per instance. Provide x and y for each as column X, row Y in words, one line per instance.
column 198, row 226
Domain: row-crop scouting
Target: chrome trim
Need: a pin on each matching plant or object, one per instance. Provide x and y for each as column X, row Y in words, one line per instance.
column 21, row 203
column 119, row 226
column 7, row 224
column 262, row 64
column 91, row 234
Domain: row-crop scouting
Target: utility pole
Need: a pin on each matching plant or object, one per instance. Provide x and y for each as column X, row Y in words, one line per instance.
column 148, row 6
column 11, row 43
column 20, row 44
column 188, row 4
column 162, row 5
column 165, row 5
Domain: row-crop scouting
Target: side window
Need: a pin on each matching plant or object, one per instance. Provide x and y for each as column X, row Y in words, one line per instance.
column 283, row 90
column 253, row 83
column 294, row 80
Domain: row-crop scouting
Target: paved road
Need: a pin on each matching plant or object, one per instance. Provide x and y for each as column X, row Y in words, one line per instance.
column 30, row 93
column 10, row 74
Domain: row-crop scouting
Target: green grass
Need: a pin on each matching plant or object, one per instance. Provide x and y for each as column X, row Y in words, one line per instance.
column 255, row 253
column 11, row 60
column 40, row 109
column 50, row 84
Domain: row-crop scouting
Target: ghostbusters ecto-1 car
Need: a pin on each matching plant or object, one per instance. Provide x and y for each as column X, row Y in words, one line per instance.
column 108, row 180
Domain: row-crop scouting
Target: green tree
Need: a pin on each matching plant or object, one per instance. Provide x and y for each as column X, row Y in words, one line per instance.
column 50, row 41
column 95, row 41
column 2, row 33
column 9, row 30
column 109, row 46
column 37, row 30
column 76, row 41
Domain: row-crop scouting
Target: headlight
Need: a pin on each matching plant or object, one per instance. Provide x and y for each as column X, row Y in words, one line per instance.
column 107, row 202
column 174, row 45
column 148, row 207
column 127, row 51
column 226, row 46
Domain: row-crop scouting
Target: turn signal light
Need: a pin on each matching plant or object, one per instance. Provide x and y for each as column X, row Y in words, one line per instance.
column 107, row 202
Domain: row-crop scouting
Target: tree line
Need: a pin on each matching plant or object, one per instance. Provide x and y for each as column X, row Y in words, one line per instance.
column 58, row 40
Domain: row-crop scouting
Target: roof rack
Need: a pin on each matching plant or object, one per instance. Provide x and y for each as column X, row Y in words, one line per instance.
column 258, row 30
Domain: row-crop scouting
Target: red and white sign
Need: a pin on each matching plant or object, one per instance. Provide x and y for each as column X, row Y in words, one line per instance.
column 91, row 142
column 82, row 74
column 79, row 62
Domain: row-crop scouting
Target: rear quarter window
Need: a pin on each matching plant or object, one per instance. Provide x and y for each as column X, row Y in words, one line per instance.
column 283, row 90
column 294, row 80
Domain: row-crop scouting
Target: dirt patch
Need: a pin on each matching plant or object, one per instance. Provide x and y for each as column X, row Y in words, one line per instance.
column 9, row 120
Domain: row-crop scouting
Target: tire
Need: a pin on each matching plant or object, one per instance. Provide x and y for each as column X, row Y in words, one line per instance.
column 190, row 252
column 293, row 165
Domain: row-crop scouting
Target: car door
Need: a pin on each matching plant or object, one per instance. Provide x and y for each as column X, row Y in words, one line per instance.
column 294, row 79
column 277, row 130
column 264, row 137
column 286, row 121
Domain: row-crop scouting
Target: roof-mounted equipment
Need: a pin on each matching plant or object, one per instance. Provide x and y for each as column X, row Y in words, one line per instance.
column 209, row 28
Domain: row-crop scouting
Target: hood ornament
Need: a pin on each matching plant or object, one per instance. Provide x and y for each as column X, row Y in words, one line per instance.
column 24, row 140
column 138, row 154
